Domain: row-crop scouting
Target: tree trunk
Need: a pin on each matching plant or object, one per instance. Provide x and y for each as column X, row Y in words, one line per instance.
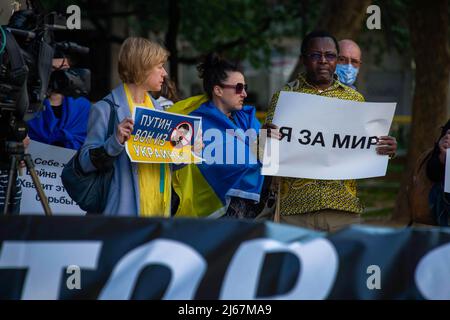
column 343, row 19
column 428, row 24
column 171, row 38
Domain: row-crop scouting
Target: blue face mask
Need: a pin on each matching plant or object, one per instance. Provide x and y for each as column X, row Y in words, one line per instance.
column 346, row 73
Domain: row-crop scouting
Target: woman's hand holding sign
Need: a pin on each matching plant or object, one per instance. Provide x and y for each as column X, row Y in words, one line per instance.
column 387, row 146
column 124, row 129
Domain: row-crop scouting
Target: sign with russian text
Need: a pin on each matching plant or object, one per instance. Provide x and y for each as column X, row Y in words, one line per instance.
column 163, row 137
column 48, row 161
column 327, row 138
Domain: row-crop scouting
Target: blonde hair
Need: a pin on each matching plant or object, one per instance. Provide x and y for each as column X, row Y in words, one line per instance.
column 137, row 56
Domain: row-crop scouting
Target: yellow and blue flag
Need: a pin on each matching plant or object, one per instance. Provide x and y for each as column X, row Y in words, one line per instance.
column 230, row 166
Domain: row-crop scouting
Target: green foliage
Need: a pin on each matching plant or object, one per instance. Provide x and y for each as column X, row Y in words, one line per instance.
column 394, row 28
column 59, row 6
column 252, row 25
column 244, row 29
column 151, row 16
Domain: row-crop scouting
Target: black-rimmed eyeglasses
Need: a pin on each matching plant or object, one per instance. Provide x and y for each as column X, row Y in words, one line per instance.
column 317, row 56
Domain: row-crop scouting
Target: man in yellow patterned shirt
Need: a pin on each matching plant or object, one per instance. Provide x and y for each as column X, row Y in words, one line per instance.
column 325, row 205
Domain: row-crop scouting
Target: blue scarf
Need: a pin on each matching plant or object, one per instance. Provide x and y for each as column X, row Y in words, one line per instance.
column 239, row 180
column 69, row 131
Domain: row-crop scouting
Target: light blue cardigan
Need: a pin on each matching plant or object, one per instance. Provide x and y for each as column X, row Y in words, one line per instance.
column 123, row 197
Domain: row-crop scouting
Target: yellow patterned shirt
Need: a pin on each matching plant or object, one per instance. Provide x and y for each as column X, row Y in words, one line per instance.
column 308, row 195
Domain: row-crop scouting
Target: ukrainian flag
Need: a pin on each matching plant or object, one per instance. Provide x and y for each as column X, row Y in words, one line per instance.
column 205, row 189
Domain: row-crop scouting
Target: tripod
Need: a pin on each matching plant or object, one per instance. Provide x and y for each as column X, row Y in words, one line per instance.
column 16, row 152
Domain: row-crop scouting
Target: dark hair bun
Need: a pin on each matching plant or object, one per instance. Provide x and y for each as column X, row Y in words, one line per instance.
column 212, row 61
column 213, row 70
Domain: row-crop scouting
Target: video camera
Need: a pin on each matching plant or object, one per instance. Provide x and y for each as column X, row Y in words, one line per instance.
column 27, row 48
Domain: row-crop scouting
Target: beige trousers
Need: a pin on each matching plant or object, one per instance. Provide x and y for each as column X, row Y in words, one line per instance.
column 323, row 220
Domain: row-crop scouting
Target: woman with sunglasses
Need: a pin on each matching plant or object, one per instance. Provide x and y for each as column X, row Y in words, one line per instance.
column 221, row 185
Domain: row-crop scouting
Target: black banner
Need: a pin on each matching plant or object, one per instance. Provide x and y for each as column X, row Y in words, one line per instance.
column 135, row 258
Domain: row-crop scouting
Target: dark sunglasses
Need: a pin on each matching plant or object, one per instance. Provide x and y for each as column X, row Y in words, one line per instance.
column 317, row 56
column 239, row 87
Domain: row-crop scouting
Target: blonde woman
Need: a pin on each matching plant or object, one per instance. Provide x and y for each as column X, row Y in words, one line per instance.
column 136, row 189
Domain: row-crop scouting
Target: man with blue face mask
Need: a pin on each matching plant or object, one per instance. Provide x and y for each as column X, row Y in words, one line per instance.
column 325, row 205
column 348, row 62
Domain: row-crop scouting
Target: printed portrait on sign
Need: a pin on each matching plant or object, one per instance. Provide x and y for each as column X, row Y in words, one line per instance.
column 181, row 135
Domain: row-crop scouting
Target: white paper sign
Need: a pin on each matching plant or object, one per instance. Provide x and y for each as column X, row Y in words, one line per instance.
column 447, row 172
column 327, row 138
column 49, row 162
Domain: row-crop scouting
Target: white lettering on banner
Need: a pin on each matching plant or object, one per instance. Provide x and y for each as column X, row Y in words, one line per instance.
column 318, row 260
column 187, row 267
column 328, row 138
column 432, row 275
column 46, row 261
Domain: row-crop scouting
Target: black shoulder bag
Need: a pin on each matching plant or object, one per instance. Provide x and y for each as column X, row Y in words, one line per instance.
column 89, row 190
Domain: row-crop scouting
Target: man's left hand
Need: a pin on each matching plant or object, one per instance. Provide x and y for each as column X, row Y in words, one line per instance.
column 387, row 146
